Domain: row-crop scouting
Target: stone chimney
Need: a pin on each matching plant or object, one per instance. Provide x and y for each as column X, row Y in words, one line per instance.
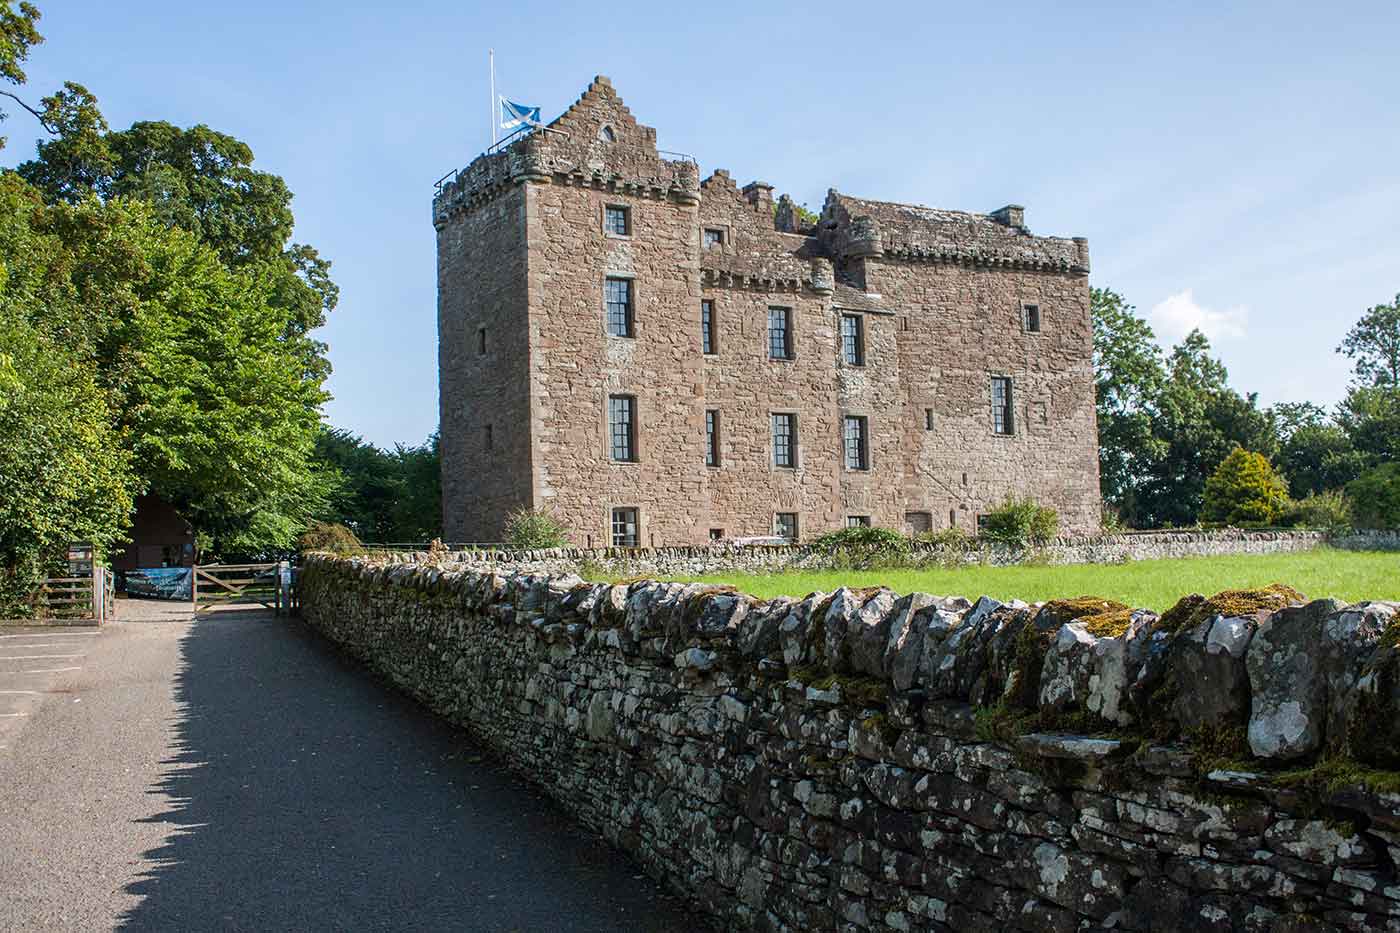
column 759, row 194
column 1012, row 215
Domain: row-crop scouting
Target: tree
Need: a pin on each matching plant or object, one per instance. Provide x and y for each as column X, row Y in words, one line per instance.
column 1198, row 420
column 18, row 34
column 1315, row 454
column 1128, row 377
column 1375, row 497
column 1370, row 416
column 64, row 476
column 1373, row 344
column 1244, row 489
column 384, row 496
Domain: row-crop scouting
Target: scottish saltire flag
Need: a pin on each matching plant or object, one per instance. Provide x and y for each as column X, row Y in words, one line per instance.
column 514, row 116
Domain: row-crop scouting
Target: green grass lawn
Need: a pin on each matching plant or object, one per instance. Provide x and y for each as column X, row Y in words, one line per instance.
column 1148, row 584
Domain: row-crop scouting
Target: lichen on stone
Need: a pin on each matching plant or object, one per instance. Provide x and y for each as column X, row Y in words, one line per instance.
column 1192, row 610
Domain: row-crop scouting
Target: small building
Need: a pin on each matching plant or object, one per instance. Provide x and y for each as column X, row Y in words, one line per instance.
column 159, row 538
column 659, row 359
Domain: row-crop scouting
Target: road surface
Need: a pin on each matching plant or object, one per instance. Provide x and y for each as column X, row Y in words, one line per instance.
column 236, row 773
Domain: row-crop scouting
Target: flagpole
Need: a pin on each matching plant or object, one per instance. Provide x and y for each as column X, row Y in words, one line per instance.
column 491, row 56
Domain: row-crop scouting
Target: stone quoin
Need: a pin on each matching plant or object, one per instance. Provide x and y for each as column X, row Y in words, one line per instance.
column 661, row 360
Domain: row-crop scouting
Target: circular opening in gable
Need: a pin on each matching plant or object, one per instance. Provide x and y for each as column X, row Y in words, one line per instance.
column 606, row 134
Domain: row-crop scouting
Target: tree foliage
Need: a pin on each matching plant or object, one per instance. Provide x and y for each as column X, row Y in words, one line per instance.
column 1245, row 490
column 1373, row 346
column 19, row 32
column 384, row 496
column 534, row 528
column 1020, row 521
column 64, row 475
column 1375, row 497
column 1128, row 379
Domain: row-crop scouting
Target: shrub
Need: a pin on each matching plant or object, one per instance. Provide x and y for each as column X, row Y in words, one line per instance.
column 1019, row 522
column 863, row 547
column 329, row 536
column 1328, row 511
column 1245, row 489
column 949, row 539
column 533, row 529
column 1375, row 497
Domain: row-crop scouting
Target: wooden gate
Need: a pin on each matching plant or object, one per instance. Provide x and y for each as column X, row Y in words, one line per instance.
column 251, row 584
column 87, row 598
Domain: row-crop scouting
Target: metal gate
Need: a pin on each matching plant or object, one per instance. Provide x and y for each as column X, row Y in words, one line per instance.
column 267, row 585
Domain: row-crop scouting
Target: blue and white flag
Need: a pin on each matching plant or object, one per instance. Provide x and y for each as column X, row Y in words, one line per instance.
column 514, row 116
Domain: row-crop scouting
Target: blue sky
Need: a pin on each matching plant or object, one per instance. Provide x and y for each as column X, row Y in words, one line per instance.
column 1234, row 166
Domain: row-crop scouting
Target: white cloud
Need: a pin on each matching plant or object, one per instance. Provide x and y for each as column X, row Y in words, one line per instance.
column 1177, row 315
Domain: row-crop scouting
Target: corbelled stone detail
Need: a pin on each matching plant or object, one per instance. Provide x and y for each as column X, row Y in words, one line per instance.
column 814, row 765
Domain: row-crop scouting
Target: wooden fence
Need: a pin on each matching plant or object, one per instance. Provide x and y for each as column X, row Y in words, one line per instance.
column 262, row 584
column 89, row 598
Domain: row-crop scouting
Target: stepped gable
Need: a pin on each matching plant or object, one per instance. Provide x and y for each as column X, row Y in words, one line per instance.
column 755, row 252
column 861, row 227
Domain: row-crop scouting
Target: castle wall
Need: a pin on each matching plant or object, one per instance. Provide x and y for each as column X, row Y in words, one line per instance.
column 964, row 326
column 482, row 269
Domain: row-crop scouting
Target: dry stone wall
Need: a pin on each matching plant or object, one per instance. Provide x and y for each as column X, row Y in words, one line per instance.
column 719, row 559
column 863, row 760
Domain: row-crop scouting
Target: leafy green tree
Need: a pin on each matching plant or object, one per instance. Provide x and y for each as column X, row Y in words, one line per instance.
column 534, row 528
column 1375, row 497
column 1129, row 376
column 1315, row 453
column 384, row 496
column 1370, row 416
column 1198, row 419
column 1373, row 345
column 1019, row 522
column 1245, row 490
column 63, row 473
column 18, row 34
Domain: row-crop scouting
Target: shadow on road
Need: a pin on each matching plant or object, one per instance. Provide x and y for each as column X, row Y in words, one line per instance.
column 307, row 796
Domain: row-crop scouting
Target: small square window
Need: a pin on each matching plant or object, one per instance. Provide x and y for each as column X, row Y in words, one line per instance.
column 716, row 534
column 785, row 525
column 857, row 443
column 617, row 220
column 857, row 521
column 617, row 298
column 981, row 523
column 713, row 237
column 853, row 339
column 918, row 522
column 624, row 528
column 1030, row 316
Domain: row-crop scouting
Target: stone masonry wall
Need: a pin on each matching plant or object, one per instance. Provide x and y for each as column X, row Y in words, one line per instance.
column 722, row 558
column 865, row 761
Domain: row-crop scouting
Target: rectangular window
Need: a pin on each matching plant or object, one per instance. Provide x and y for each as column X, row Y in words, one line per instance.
column 1031, row 318
column 624, row 527
column 918, row 522
column 981, row 523
column 785, row 440
column 853, row 339
column 618, row 298
column 716, row 534
column 785, row 525
column 780, row 333
column 617, row 220
column 481, row 341
column 712, row 438
column 1002, row 420
column 622, row 426
column 713, row 237
column 928, row 419
column 857, row 443
column 707, row 327
column 490, row 438
column 857, row 521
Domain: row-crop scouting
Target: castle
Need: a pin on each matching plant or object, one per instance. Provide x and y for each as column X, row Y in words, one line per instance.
column 663, row 360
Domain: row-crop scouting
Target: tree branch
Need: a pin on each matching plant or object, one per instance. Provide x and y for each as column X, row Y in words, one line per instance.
column 37, row 115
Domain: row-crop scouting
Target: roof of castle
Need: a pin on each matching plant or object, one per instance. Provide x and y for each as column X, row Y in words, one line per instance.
column 916, row 230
